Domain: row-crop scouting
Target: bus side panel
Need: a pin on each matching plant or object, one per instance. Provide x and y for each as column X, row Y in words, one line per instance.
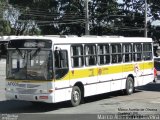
column 104, row 80
column 116, row 83
column 148, row 72
column 90, row 89
column 62, row 94
column 88, row 77
column 116, row 77
column 138, row 77
column 103, row 87
column 62, row 91
column 110, row 78
column 128, row 69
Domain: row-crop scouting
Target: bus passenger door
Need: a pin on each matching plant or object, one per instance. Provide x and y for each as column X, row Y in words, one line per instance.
column 61, row 72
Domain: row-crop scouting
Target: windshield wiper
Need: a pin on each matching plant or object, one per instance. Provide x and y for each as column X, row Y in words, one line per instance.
column 20, row 53
column 36, row 52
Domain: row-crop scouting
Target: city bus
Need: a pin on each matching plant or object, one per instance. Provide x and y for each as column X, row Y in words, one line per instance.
column 53, row 69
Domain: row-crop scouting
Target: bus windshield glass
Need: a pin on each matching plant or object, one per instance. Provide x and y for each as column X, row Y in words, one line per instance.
column 29, row 64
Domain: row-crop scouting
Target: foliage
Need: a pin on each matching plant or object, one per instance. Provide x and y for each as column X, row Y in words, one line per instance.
column 132, row 21
column 135, row 11
column 100, row 16
column 107, row 17
column 4, row 24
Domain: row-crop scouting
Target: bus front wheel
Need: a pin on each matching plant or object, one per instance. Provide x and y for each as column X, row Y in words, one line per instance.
column 129, row 86
column 76, row 96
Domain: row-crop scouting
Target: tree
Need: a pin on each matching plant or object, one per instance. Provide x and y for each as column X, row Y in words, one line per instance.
column 4, row 24
column 100, row 16
column 21, row 24
column 134, row 11
column 131, row 18
column 67, row 16
column 52, row 16
column 72, row 21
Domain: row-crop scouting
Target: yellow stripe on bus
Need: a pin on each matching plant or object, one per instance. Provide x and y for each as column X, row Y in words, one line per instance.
column 91, row 72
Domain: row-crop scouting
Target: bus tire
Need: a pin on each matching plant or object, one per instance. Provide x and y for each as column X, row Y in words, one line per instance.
column 76, row 96
column 129, row 86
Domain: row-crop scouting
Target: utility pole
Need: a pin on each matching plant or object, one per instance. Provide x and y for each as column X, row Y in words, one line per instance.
column 145, row 24
column 87, row 19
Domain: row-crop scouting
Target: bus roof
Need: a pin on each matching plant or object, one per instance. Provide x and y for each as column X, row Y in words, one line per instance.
column 56, row 39
column 7, row 38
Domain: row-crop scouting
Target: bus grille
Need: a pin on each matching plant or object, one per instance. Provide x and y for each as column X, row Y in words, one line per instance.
column 26, row 91
column 26, row 97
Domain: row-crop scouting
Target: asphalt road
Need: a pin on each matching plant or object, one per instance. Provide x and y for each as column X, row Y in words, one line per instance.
column 146, row 100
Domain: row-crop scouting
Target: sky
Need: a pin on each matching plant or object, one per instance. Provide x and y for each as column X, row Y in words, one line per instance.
column 120, row 1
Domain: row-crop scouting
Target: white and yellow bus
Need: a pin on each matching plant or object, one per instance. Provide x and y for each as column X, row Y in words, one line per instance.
column 60, row 68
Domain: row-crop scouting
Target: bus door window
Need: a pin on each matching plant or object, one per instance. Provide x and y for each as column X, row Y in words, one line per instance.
column 63, row 59
column 61, row 63
column 57, row 58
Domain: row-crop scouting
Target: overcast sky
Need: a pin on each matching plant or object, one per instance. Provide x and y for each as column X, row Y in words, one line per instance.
column 120, row 1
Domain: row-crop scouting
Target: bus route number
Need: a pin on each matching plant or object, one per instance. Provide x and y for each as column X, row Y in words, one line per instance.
column 12, row 84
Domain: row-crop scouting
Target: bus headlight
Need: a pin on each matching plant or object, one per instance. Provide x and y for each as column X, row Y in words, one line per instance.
column 8, row 89
column 43, row 91
column 46, row 91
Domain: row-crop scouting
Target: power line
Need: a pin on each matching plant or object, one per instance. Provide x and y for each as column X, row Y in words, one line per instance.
column 43, row 12
column 40, row 21
column 33, row 9
column 37, row 13
column 49, row 24
column 50, row 14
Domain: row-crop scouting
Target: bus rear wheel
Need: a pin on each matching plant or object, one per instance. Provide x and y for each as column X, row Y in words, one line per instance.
column 129, row 86
column 76, row 96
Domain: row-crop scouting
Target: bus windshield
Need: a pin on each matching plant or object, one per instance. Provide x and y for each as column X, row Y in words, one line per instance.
column 29, row 64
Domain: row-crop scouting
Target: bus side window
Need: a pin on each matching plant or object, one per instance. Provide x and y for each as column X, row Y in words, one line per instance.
column 127, row 52
column 116, row 53
column 147, row 51
column 77, row 56
column 103, row 54
column 90, row 55
column 137, row 56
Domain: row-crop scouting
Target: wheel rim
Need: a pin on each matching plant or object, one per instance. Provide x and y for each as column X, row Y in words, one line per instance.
column 130, row 86
column 76, row 96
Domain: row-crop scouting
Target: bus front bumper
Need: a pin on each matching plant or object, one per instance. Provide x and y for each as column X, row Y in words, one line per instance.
column 47, row 98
